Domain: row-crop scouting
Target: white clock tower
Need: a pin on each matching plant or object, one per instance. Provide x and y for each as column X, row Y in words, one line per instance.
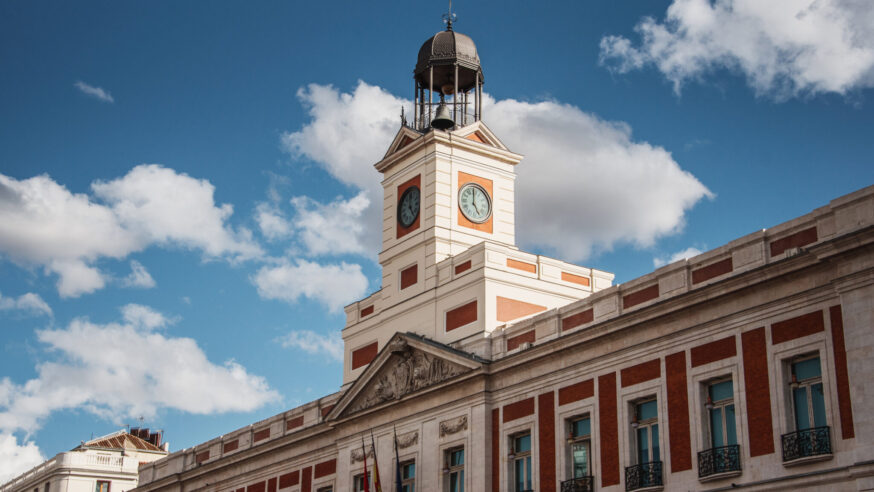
column 450, row 266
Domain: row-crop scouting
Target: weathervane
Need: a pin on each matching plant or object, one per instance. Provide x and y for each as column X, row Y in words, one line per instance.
column 449, row 17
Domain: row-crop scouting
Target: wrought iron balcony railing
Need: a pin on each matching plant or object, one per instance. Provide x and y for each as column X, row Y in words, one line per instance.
column 643, row 475
column 719, row 460
column 806, row 443
column 579, row 484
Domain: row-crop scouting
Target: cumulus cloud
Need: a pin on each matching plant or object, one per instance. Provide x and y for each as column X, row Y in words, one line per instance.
column 124, row 370
column 585, row 184
column 16, row 458
column 44, row 224
column 95, row 92
column 784, row 48
column 330, row 346
column 139, row 276
column 335, row 285
column 29, row 304
column 679, row 255
column 332, row 228
column 272, row 222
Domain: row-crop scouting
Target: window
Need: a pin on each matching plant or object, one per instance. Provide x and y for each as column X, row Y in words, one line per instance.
column 358, row 482
column 455, row 469
column 646, row 426
column 720, row 407
column 47, row 487
column 326, row 489
column 808, row 401
column 579, row 447
column 102, row 486
column 520, row 455
column 408, row 476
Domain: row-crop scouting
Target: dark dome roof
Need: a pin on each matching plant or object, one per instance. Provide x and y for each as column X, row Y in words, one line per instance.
column 447, row 48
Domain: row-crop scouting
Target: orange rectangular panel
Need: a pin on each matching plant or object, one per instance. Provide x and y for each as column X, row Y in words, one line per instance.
column 521, row 265
column 577, row 279
column 509, row 309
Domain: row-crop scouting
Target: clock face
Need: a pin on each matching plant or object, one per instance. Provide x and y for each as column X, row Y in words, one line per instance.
column 475, row 203
column 408, row 206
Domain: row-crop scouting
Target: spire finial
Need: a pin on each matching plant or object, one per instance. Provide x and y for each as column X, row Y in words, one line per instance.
column 449, row 17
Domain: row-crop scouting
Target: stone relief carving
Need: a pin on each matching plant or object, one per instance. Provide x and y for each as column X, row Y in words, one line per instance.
column 448, row 427
column 408, row 439
column 409, row 370
column 357, row 455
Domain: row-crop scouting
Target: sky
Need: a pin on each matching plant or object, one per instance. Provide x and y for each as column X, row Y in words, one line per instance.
column 187, row 196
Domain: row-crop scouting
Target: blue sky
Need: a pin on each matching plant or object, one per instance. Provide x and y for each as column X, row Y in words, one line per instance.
column 187, row 192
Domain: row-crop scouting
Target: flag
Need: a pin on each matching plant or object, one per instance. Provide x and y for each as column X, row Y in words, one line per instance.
column 366, row 484
column 398, row 479
column 377, row 486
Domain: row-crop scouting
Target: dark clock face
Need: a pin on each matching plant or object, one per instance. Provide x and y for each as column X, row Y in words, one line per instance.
column 408, row 206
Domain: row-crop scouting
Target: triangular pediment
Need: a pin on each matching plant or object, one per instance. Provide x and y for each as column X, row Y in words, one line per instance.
column 404, row 137
column 480, row 133
column 407, row 366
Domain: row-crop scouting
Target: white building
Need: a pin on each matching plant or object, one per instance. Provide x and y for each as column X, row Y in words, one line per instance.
column 106, row 464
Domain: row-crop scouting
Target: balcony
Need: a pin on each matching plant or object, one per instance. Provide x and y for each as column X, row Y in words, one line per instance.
column 579, row 484
column 643, row 476
column 808, row 443
column 719, row 461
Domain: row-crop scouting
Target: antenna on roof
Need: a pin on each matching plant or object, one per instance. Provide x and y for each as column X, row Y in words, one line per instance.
column 449, row 17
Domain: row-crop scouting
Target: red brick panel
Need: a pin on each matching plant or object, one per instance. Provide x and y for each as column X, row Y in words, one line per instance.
column 514, row 342
column 271, row 485
column 640, row 296
column 261, row 435
column 306, row 482
column 578, row 319
column 325, row 468
column 364, row 355
column 576, row 279
column 461, row 316
column 644, row 371
column 326, row 410
column 409, row 276
column 294, row 423
column 257, row 487
column 712, row 271
column 230, row 446
column 576, row 392
column 842, row 382
column 609, row 429
column 801, row 326
column 797, row 240
column 496, row 446
column 462, row 267
column 367, row 311
column 755, row 357
column 403, row 231
column 518, row 410
column 714, row 351
column 289, row 479
column 678, row 412
column 202, row 456
column 546, row 437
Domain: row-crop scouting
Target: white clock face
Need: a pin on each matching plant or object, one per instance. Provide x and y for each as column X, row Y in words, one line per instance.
column 475, row 203
column 408, row 207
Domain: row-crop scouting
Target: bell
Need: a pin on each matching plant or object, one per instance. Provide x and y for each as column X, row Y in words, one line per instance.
column 443, row 120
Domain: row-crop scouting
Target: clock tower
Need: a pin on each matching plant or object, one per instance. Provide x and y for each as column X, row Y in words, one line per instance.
column 450, row 266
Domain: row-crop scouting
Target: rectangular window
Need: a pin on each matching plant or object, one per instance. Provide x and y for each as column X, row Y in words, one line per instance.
column 408, row 476
column 521, row 457
column 455, row 469
column 646, row 426
column 102, row 486
column 808, row 400
column 720, row 407
column 358, row 482
column 47, row 488
column 326, row 489
column 579, row 446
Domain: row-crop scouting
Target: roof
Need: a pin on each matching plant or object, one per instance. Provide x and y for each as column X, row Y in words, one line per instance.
column 442, row 51
column 120, row 440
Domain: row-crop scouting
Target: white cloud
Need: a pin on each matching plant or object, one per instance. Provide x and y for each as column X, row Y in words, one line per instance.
column 139, row 276
column 679, row 255
column 15, row 458
column 271, row 221
column 29, row 303
column 42, row 223
column 583, row 186
column 784, row 48
column 334, row 285
column 95, row 92
column 311, row 342
column 333, row 228
column 127, row 369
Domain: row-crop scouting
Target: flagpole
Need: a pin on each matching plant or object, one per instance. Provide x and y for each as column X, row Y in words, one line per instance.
column 377, row 485
column 364, row 451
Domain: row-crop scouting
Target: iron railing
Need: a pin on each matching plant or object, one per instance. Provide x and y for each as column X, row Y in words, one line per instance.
column 719, row 460
column 579, row 484
column 807, row 442
column 643, row 475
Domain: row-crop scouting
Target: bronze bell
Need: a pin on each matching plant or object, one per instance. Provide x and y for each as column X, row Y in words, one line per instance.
column 443, row 120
